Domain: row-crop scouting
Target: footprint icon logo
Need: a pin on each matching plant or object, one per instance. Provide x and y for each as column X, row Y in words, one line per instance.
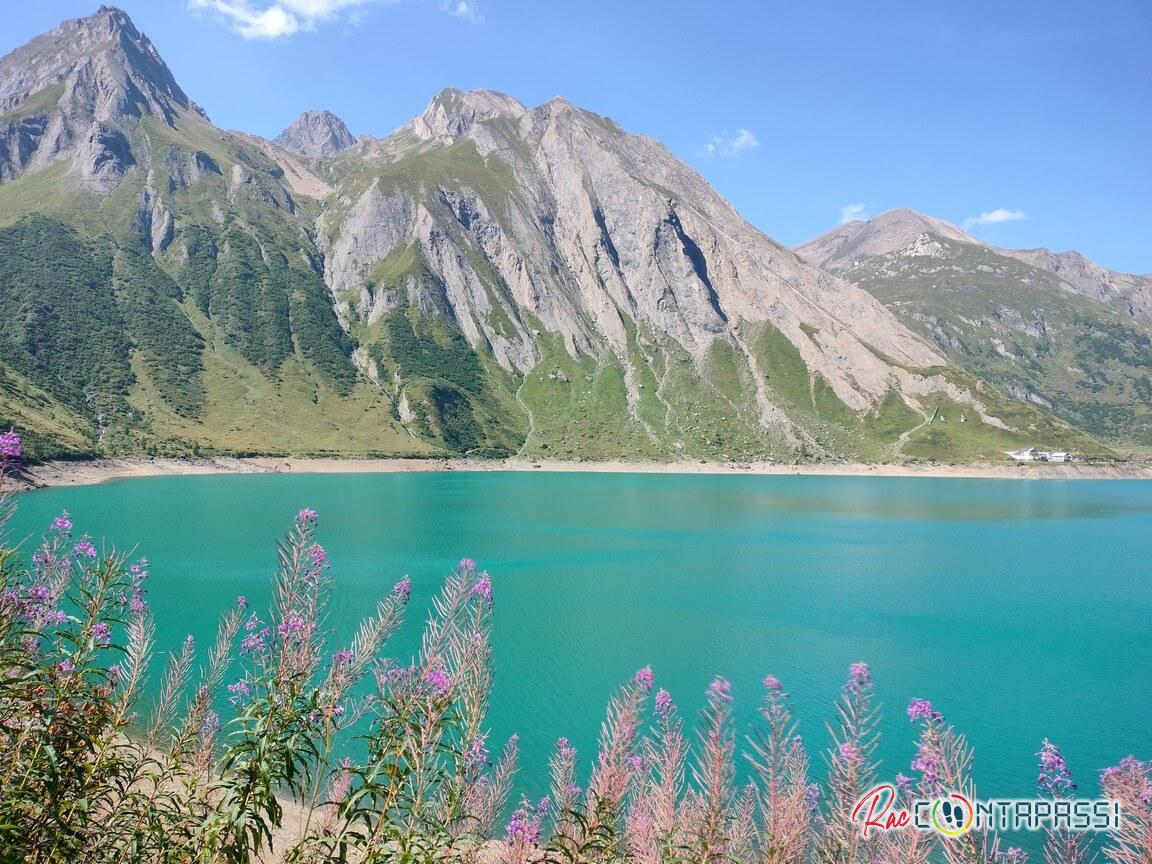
column 952, row 816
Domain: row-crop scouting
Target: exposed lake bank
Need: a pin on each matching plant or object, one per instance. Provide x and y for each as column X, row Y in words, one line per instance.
column 83, row 473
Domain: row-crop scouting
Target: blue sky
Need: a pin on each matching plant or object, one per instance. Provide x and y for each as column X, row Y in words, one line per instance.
column 1036, row 114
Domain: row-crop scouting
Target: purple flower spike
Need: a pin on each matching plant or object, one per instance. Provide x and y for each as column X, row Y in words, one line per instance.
column 720, row 690
column 483, row 588
column 921, row 709
column 437, row 680
column 11, row 446
column 318, row 555
column 1054, row 778
column 645, row 678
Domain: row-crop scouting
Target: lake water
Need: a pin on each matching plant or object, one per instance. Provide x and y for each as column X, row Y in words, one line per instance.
column 1022, row 609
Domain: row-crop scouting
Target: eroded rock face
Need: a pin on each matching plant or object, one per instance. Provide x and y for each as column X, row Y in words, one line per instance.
column 556, row 215
column 103, row 157
column 77, row 88
column 315, row 134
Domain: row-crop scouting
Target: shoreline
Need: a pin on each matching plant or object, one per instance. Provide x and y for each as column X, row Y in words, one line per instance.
column 66, row 473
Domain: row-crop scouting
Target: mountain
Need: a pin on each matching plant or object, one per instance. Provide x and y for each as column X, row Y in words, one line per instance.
column 1053, row 328
column 856, row 241
column 488, row 279
column 315, row 134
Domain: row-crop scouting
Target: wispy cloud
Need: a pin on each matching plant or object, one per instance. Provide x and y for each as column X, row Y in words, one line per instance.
column 469, row 11
column 853, row 212
column 995, row 217
column 261, row 19
column 729, row 145
column 276, row 19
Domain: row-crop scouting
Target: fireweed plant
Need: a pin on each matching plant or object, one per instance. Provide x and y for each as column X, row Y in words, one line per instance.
column 237, row 760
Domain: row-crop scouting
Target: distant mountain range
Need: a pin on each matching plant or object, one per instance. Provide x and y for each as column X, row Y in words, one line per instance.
column 1054, row 329
column 494, row 279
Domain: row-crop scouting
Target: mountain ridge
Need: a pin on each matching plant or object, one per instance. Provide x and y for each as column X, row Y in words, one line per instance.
column 898, row 228
column 488, row 279
column 1055, row 329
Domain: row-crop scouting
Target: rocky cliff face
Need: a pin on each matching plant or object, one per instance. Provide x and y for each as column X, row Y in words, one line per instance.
column 76, row 91
column 315, row 134
column 557, row 213
column 491, row 278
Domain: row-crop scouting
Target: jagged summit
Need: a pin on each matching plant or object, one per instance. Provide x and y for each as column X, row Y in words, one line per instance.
column 452, row 112
column 840, row 248
column 315, row 134
column 80, row 90
column 103, row 66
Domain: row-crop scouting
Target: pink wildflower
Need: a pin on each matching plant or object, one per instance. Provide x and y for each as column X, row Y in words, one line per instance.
column 483, row 588
column 720, row 690
column 645, row 678
column 11, row 446
column 921, row 709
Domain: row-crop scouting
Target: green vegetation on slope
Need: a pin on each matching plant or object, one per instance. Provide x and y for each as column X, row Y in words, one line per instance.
column 60, row 324
column 1016, row 327
column 170, row 346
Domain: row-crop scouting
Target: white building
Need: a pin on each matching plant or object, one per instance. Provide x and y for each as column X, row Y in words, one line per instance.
column 1031, row 454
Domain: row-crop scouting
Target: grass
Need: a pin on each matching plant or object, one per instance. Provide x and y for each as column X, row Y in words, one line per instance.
column 247, row 411
column 1017, row 327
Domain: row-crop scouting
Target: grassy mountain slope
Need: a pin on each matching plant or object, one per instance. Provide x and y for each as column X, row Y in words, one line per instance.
column 1023, row 329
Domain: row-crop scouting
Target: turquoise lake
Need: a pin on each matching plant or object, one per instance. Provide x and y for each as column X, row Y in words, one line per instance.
column 1022, row 609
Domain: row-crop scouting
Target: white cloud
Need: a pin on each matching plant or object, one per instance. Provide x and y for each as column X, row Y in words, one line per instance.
column 274, row 19
column 729, row 145
column 853, row 212
column 995, row 217
column 469, row 11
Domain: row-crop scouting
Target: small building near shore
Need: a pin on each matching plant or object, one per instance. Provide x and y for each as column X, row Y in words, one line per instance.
column 1031, row 454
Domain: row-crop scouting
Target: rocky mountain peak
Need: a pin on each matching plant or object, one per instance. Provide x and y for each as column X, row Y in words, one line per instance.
column 80, row 91
column 98, row 68
column 315, row 134
column 891, row 231
column 453, row 112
